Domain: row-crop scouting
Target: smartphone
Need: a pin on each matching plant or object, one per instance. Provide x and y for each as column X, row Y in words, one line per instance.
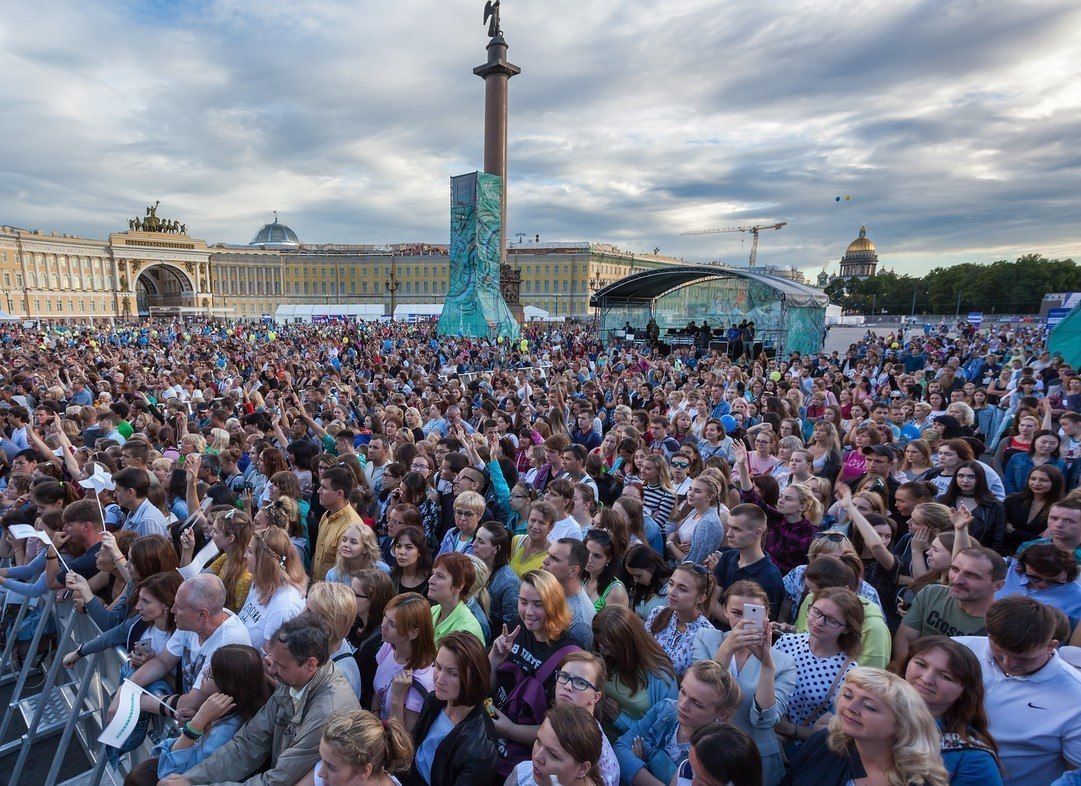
column 755, row 613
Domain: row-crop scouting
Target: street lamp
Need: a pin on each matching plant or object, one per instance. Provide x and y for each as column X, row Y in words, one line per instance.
column 392, row 287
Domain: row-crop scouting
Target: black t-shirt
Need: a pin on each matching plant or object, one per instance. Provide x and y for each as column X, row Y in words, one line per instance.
column 529, row 655
column 86, row 565
column 764, row 573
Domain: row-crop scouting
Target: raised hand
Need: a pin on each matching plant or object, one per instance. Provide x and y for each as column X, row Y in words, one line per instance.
column 108, row 542
column 960, row 517
column 501, row 646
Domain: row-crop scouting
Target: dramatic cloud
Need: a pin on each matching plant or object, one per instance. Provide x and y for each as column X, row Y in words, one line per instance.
column 955, row 127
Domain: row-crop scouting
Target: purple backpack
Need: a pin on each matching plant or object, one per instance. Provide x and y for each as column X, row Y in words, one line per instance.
column 526, row 705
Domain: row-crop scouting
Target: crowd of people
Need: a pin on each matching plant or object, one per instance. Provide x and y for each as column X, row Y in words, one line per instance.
column 557, row 561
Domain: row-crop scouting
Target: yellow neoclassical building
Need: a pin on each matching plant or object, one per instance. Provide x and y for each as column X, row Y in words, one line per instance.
column 156, row 267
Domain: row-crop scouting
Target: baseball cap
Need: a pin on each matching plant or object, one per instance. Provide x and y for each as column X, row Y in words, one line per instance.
column 878, row 450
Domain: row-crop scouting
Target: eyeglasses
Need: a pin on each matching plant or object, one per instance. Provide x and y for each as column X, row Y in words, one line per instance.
column 680, row 464
column 1035, row 579
column 520, row 496
column 469, row 514
column 831, row 536
column 578, row 683
column 827, row 620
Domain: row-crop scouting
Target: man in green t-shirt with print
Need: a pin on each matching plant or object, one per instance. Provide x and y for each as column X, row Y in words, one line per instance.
column 976, row 573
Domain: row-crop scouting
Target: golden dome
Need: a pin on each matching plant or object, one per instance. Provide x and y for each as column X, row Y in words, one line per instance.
column 861, row 244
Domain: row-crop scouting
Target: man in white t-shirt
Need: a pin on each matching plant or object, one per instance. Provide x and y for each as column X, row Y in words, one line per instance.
column 560, row 493
column 203, row 624
column 1033, row 697
column 286, row 730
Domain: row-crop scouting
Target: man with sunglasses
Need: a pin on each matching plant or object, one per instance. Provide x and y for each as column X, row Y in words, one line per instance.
column 1048, row 574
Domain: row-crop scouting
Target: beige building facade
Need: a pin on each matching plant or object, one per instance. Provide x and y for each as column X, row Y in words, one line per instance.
column 156, row 267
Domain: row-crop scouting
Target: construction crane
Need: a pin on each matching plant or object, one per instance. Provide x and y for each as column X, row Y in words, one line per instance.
column 754, row 230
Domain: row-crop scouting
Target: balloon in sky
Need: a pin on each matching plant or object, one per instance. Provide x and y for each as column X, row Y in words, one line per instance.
column 848, row 198
column 836, row 199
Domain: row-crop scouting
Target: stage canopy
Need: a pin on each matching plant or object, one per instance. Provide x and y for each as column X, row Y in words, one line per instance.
column 788, row 316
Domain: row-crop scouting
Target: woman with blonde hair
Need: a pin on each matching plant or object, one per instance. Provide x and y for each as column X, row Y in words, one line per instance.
column 231, row 531
column 336, row 605
column 701, row 530
column 658, row 495
column 219, row 441
column 529, row 653
column 277, row 586
column 359, row 749
column 192, row 443
column 358, row 549
column 882, row 733
column 652, row 749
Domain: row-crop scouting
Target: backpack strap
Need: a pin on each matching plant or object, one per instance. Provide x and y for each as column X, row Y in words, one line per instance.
column 342, row 656
column 549, row 666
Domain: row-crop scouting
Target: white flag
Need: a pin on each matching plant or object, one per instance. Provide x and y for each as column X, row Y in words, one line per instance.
column 205, row 555
column 126, row 718
column 24, row 531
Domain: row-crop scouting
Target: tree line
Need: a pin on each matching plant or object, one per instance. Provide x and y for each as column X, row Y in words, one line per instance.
column 1002, row 287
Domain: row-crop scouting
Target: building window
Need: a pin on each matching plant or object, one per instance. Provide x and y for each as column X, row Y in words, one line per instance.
column 19, row 280
column 7, row 280
column 49, row 306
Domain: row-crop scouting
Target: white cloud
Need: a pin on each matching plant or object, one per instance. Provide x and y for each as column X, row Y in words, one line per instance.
column 954, row 127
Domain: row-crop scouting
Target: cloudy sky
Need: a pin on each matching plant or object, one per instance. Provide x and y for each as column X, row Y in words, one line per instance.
column 955, row 127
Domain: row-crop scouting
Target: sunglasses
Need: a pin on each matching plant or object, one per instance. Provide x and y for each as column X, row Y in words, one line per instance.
column 832, row 537
column 695, row 567
column 1035, row 579
column 681, row 464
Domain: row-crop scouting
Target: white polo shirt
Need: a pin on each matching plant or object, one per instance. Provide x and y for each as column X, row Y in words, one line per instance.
column 1035, row 719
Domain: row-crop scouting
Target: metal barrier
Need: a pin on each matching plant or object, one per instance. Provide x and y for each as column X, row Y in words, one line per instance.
column 71, row 703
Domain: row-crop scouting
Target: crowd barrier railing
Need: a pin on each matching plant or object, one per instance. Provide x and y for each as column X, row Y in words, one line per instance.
column 71, row 704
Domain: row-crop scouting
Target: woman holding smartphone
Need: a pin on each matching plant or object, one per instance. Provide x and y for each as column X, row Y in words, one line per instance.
column 766, row 677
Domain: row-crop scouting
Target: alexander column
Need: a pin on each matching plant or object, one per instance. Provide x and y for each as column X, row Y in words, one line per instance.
column 496, row 74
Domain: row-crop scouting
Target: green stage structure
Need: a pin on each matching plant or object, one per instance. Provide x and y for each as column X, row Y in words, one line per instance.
column 475, row 305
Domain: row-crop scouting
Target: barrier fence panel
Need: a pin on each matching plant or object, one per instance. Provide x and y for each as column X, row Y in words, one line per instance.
column 7, row 660
column 70, row 709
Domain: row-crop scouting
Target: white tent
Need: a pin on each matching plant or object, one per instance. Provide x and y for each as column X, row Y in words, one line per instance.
column 532, row 312
column 6, row 317
column 407, row 312
column 319, row 312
